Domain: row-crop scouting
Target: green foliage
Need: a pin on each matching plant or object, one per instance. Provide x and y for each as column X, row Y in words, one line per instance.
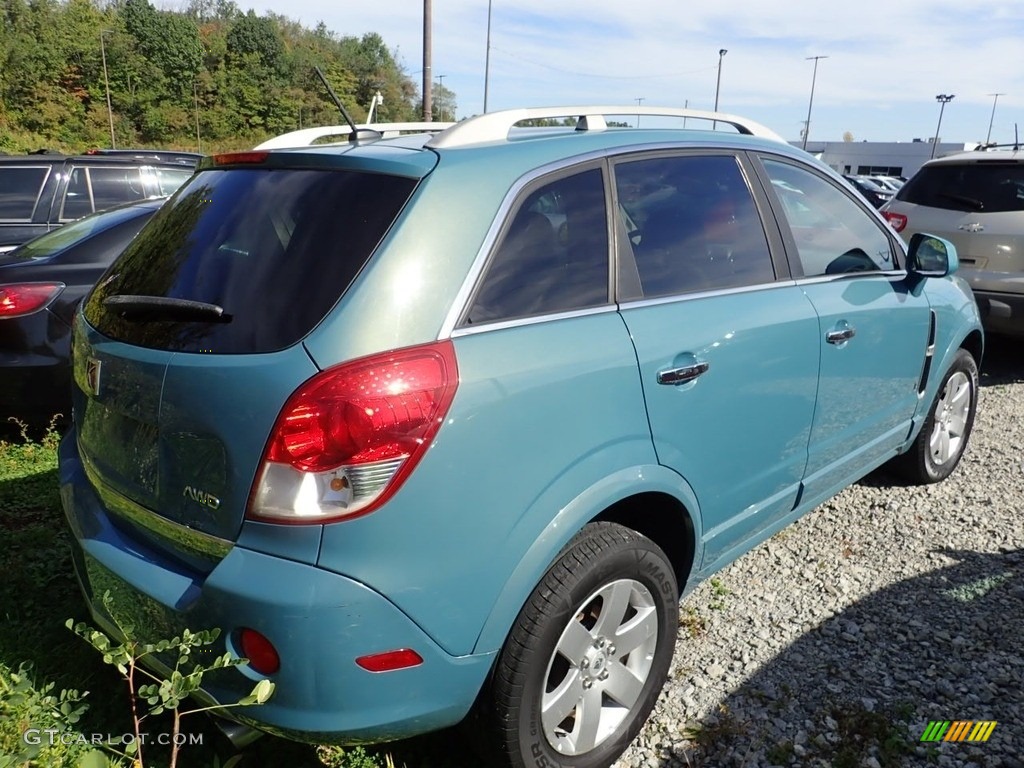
column 245, row 77
column 167, row 693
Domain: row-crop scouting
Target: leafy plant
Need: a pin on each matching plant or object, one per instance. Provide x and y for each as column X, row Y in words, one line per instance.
column 163, row 693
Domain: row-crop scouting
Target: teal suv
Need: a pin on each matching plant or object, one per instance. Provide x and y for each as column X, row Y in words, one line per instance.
column 441, row 427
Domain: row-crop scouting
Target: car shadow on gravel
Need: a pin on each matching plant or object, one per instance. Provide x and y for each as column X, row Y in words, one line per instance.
column 1003, row 362
column 860, row 688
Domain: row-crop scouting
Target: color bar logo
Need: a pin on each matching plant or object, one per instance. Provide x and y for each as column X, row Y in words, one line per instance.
column 958, row 730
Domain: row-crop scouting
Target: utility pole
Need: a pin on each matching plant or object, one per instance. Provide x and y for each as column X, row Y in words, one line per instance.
column 428, row 107
column 639, row 102
column 814, row 77
column 106, row 83
column 487, row 58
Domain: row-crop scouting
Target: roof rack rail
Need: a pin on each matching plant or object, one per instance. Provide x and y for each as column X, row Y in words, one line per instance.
column 495, row 126
column 307, row 136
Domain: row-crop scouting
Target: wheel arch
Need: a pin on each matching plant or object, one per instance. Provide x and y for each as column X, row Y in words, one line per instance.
column 663, row 519
column 652, row 500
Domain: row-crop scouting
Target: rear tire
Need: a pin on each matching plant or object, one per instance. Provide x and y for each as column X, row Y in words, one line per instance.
column 940, row 444
column 588, row 654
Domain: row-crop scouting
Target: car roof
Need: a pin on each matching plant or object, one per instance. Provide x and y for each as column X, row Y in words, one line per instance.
column 980, row 156
column 105, row 158
column 567, row 132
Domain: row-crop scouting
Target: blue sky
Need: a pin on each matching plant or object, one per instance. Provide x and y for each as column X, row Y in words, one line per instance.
column 887, row 59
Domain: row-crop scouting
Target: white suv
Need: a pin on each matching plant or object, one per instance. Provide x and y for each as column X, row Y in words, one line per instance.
column 976, row 200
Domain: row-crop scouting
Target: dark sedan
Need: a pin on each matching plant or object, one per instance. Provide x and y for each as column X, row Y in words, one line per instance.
column 41, row 284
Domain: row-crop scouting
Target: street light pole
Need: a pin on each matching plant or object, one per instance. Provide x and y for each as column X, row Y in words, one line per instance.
column 943, row 100
column 639, row 102
column 487, row 57
column 718, row 82
column 814, row 78
column 106, row 83
column 428, row 80
column 991, row 119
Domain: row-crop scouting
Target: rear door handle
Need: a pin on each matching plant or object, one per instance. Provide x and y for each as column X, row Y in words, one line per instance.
column 838, row 337
column 676, row 376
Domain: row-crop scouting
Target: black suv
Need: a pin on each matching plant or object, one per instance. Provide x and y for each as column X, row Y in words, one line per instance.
column 42, row 191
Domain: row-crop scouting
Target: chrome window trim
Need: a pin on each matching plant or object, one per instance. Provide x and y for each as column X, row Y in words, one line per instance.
column 896, row 274
column 501, row 325
column 676, row 297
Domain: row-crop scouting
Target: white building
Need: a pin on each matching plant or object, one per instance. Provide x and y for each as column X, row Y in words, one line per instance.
column 896, row 158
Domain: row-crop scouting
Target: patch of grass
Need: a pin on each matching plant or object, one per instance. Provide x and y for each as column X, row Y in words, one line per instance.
column 863, row 732
column 692, row 621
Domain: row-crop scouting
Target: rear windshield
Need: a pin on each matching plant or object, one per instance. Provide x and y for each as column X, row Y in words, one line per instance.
column 975, row 187
column 271, row 249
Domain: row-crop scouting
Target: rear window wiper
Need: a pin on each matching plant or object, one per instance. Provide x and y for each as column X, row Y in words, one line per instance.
column 971, row 202
column 163, row 308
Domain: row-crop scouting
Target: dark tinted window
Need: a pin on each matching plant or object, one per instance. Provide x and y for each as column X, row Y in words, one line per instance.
column 275, row 249
column 98, row 188
column 987, row 187
column 692, row 224
column 833, row 234
column 553, row 256
column 19, row 190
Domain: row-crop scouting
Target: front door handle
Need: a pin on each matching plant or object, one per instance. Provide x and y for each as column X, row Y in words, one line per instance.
column 840, row 336
column 676, row 376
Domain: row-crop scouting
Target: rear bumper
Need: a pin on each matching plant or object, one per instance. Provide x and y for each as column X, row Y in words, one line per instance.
column 318, row 621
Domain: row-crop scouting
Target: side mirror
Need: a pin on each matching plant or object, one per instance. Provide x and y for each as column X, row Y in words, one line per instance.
column 931, row 256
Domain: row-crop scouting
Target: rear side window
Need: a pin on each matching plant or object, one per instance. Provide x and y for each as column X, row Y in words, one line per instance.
column 692, row 224
column 98, row 188
column 19, row 189
column 987, row 187
column 553, row 256
column 274, row 249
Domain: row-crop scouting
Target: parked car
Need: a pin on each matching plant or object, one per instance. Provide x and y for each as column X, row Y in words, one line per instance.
column 41, row 285
column 43, row 191
column 975, row 200
column 418, row 455
column 872, row 192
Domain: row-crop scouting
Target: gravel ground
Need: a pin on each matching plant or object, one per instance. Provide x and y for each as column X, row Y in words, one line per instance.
column 838, row 640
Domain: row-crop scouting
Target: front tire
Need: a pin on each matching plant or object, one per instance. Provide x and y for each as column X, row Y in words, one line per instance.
column 589, row 652
column 937, row 449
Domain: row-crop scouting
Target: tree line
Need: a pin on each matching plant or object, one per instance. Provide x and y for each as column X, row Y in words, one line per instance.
column 210, row 77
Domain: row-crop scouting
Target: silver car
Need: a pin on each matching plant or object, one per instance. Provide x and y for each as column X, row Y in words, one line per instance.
column 976, row 200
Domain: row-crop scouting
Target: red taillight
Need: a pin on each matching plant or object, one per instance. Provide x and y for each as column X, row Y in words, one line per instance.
column 347, row 438
column 896, row 220
column 240, row 158
column 25, row 298
column 388, row 661
column 259, row 651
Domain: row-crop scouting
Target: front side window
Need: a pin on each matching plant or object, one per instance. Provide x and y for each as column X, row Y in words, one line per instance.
column 553, row 256
column 833, row 234
column 692, row 224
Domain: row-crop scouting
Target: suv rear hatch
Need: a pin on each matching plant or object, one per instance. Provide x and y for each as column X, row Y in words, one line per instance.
column 190, row 344
column 977, row 205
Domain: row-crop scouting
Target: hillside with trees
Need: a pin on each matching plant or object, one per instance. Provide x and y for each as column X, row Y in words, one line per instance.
column 211, row 77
